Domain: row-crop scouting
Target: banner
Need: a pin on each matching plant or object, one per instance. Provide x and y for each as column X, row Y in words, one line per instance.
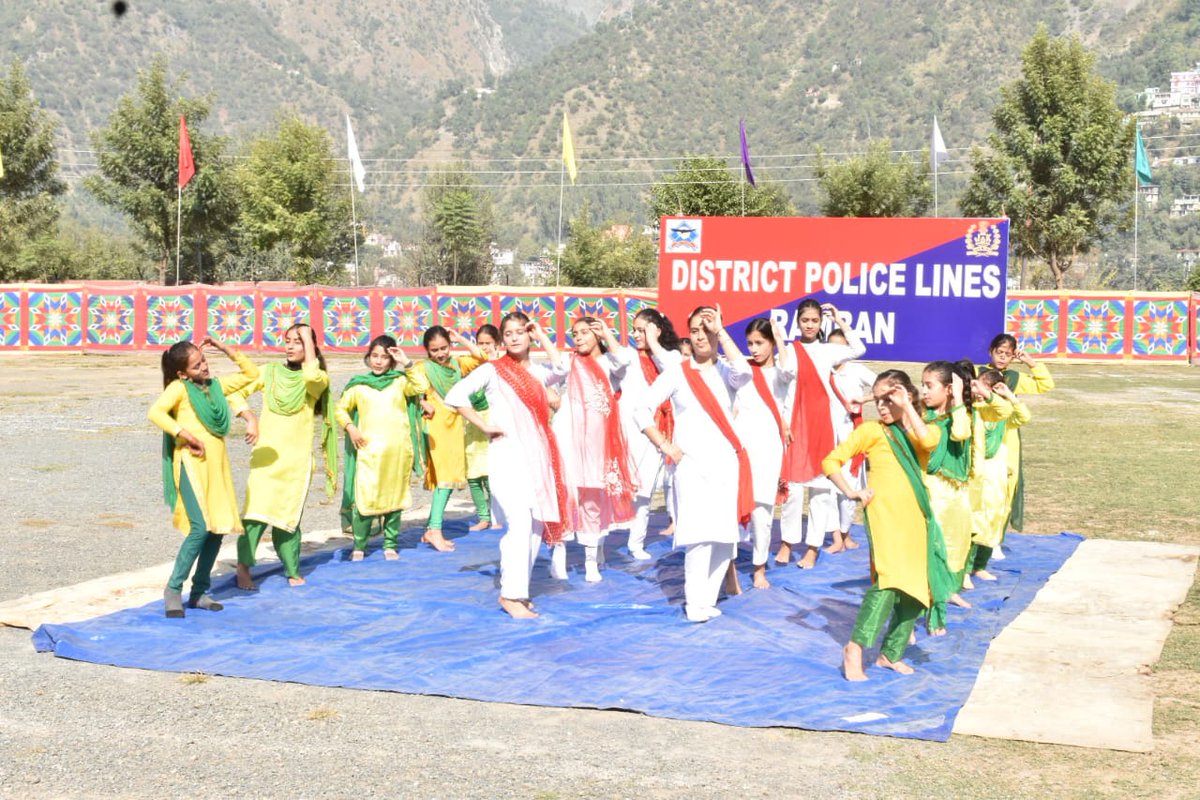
column 911, row 289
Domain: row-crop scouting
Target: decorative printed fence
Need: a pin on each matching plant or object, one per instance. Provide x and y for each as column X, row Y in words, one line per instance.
column 123, row 317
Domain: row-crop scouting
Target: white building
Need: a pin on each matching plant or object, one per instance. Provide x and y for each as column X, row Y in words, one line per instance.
column 1183, row 206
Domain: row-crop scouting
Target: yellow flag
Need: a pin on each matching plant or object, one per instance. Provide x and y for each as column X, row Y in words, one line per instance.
column 568, row 150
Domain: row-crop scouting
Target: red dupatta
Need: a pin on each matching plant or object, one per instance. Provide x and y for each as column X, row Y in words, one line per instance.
column 619, row 484
column 764, row 392
column 664, row 416
column 532, row 395
column 812, row 425
column 708, row 402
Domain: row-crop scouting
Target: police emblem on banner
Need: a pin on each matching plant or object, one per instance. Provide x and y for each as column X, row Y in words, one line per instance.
column 983, row 240
column 683, row 236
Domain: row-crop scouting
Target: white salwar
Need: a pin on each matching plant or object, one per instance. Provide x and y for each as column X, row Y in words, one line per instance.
column 706, row 479
column 822, row 497
column 756, row 427
column 515, row 468
column 651, row 470
column 853, row 380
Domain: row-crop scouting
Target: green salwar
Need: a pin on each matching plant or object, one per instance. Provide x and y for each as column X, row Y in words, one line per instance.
column 361, row 528
column 980, row 558
column 199, row 547
column 481, row 496
column 877, row 606
column 287, row 546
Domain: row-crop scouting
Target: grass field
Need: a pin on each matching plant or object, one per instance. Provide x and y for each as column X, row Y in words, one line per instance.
column 1113, row 452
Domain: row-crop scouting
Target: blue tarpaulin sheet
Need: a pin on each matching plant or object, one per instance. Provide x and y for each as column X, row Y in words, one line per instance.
column 429, row 624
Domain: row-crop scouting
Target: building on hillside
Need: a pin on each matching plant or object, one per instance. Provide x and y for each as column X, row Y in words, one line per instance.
column 1182, row 100
column 1149, row 194
column 1188, row 257
column 537, row 271
column 1183, row 206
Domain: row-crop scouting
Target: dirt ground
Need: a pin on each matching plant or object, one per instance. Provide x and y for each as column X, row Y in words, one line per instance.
column 79, row 470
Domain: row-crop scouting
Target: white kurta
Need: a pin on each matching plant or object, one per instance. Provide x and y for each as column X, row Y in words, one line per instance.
column 755, row 426
column 634, row 387
column 706, row 480
column 853, row 380
column 511, row 462
column 825, row 357
column 615, row 364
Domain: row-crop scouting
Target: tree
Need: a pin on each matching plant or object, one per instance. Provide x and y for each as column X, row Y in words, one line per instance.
column 600, row 256
column 290, row 201
column 874, row 185
column 1060, row 159
column 30, row 186
column 139, row 170
column 458, row 230
column 706, row 187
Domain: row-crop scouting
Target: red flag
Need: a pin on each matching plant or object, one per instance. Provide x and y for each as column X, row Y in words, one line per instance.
column 187, row 167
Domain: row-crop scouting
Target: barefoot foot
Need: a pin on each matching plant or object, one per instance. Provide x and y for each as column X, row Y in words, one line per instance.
column 784, row 556
column 912, row 638
column 760, row 577
column 357, row 555
column 297, row 581
column 898, row 666
column 849, row 543
column 482, row 525
column 810, row 558
column 391, row 555
column 852, row 662
column 244, row 581
column 984, row 575
column 733, row 587
column 836, row 547
column 957, row 600
column 433, row 537
column 968, row 583
column 517, row 609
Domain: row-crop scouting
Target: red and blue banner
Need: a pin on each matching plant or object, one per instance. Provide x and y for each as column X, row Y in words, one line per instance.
column 912, row 289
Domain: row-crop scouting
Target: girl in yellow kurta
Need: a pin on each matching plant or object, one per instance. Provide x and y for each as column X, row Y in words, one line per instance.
column 485, row 348
column 908, row 569
column 946, row 394
column 281, row 464
column 446, row 463
column 989, row 479
column 1003, row 351
column 379, row 454
column 197, row 483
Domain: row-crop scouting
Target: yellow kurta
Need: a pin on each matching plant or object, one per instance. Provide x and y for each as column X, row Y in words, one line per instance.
column 897, row 527
column 1037, row 382
column 384, row 465
column 209, row 476
column 989, row 476
column 446, row 434
column 477, row 448
column 281, row 464
column 951, row 500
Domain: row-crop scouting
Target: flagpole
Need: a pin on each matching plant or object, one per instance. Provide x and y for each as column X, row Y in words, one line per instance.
column 354, row 226
column 935, row 185
column 562, row 173
column 178, row 227
column 1135, row 224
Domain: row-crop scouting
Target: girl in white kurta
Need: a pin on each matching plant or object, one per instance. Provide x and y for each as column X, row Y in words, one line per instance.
column 812, row 410
column 656, row 349
column 713, row 487
column 852, row 384
column 600, row 474
column 760, row 424
column 528, row 491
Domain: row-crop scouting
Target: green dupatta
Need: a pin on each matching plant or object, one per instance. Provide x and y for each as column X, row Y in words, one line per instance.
column 950, row 459
column 286, row 392
column 212, row 409
column 378, row 383
column 941, row 579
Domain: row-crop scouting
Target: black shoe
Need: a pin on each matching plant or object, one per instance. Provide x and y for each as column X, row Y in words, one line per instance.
column 205, row 602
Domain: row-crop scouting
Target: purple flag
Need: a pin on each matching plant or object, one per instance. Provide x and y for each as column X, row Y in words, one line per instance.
column 746, row 153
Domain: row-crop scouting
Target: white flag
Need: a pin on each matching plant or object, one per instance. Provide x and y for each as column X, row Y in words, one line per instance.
column 356, row 165
column 937, row 147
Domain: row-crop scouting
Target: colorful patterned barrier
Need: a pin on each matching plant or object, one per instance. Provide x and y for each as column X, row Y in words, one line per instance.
column 120, row 317
column 117, row 317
